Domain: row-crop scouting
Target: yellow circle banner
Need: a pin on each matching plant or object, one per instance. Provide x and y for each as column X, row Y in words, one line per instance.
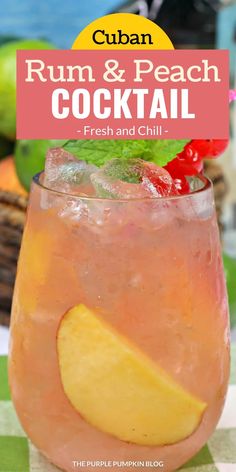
column 122, row 31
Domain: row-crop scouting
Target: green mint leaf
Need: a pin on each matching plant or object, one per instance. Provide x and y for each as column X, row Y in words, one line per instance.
column 122, row 169
column 98, row 152
column 165, row 150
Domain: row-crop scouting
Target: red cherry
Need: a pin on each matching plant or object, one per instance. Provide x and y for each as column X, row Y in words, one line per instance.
column 189, row 161
column 218, row 146
column 210, row 148
column 174, row 168
column 180, row 182
column 182, row 185
column 201, row 146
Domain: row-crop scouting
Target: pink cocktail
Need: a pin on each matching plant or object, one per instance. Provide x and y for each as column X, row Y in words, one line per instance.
column 119, row 335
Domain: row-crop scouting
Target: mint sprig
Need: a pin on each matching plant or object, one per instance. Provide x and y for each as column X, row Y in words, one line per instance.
column 98, row 152
column 165, row 150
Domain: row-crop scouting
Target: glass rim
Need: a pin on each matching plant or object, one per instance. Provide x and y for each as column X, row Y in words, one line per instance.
column 207, row 184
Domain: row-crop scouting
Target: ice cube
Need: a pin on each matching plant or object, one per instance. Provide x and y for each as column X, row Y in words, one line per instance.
column 158, row 181
column 65, row 173
column 125, row 179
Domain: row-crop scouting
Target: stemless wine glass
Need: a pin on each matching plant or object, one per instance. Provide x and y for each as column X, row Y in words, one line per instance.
column 119, row 335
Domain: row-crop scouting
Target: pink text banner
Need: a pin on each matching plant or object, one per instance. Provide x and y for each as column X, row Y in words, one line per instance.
column 75, row 94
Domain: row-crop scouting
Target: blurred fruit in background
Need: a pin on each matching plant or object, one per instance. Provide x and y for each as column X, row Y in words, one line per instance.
column 8, row 82
column 6, row 147
column 8, row 39
column 8, row 178
column 30, row 157
column 13, row 195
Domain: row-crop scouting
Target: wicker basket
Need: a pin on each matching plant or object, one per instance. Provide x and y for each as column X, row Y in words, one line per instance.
column 12, row 218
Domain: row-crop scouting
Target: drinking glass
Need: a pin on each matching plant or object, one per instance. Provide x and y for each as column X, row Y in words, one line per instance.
column 119, row 334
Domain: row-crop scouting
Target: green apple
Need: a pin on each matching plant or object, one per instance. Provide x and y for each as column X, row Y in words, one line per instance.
column 8, row 81
column 30, row 157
